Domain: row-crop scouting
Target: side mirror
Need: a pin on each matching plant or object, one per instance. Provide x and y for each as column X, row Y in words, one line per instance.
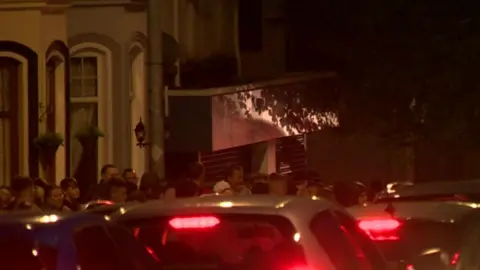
column 434, row 258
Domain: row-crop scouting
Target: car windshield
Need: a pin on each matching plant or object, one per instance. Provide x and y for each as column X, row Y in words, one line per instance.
column 221, row 241
column 444, row 191
column 22, row 250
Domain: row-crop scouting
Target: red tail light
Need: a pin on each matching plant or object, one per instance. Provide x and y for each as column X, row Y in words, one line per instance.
column 380, row 229
column 455, row 258
column 299, row 267
column 194, row 222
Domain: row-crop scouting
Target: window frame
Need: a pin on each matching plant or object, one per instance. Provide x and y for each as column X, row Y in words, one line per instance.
column 103, row 94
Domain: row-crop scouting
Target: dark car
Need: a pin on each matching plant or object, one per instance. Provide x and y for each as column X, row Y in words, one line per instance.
column 419, row 220
column 69, row 242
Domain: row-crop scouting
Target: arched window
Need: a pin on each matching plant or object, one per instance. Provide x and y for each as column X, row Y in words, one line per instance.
column 90, row 88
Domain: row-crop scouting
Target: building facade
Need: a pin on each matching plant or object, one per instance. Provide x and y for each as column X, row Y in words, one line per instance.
column 33, row 82
column 65, row 64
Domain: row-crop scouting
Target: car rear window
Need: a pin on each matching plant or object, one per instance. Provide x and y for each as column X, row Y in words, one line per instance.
column 221, row 241
column 20, row 250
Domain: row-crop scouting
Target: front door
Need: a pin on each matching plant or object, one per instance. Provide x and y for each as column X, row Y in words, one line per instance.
column 9, row 146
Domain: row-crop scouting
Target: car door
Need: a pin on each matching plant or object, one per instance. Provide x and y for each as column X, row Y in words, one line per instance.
column 344, row 244
column 138, row 256
column 96, row 250
column 468, row 257
column 361, row 240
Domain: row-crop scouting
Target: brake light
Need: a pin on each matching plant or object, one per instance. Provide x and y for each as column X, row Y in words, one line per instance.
column 380, row 229
column 455, row 258
column 299, row 267
column 379, row 225
column 194, row 222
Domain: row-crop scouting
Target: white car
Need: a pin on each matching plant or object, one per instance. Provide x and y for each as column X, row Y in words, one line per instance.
column 252, row 232
column 411, row 222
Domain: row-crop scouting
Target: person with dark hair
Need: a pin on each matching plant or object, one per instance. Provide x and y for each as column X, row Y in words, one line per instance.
column 71, row 193
column 131, row 179
column 278, row 184
column 190, row 186
column 23, row 193
column 100, row 191
column 151, row 186
column 117, row 190
column 196, row 174
column 39, row 186
column 108, row 171
column 53, row 199
column 234, row 179
column 260, row 188
column 349, row 193
column 186, row 189
column 253, row 179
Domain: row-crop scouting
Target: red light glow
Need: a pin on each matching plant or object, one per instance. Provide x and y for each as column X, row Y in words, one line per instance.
column 152, row 253
column 299, row 267
column 380, row 229
column 455, row 258
column 379, row 225
column 194, row 222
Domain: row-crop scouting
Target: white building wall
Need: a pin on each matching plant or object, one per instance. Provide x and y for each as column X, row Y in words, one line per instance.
column 122, row 27
column 36, row 27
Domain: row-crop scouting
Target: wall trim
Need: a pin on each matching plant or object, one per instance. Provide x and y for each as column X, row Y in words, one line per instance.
column 119, row 101
column 60, row 49
column 105, row 112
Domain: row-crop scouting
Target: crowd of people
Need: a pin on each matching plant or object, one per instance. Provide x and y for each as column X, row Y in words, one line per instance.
column 27, row 193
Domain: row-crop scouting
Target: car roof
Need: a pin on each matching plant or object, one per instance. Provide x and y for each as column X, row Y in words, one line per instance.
column 436, row 188
column 35, row 217
column 247, row 204
column 440, row 211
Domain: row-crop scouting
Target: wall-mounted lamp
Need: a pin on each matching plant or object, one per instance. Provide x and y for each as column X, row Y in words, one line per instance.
column 140, row 134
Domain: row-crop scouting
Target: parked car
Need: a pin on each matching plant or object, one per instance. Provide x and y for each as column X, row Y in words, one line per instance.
column 446, row 191
column 252, row 232
column 416, row 223
column 106, row 208
column 69, row 242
